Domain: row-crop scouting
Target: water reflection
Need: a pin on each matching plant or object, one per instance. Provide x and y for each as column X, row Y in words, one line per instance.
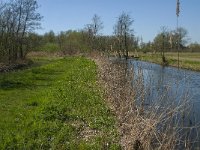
column 170, row 82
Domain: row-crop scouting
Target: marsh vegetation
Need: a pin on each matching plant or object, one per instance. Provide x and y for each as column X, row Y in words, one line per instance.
column 80, row 89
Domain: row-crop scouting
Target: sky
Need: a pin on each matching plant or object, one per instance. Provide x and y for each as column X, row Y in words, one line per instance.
column 148, row 15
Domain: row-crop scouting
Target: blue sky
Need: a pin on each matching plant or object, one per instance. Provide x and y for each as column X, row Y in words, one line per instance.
column 149, row 15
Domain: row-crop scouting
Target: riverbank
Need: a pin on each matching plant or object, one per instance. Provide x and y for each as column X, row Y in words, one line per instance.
column 55, row 104
column 78, row 103
column 141, row 125
column 190, row 61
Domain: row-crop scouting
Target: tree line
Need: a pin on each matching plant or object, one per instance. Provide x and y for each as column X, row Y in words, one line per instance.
column 19, row 19
column 122, row 42
column 90, row 38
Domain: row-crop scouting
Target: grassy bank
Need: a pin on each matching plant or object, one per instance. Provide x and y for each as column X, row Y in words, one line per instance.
column 55, row 104
column 188, row 60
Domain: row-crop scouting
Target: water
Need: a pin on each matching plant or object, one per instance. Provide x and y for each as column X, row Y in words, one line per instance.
column 169, row 83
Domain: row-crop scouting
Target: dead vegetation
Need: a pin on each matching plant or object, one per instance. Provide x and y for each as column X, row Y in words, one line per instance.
column 14, row 66
column 157, row 126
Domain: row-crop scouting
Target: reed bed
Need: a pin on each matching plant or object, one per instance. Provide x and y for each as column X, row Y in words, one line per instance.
column 159, row 125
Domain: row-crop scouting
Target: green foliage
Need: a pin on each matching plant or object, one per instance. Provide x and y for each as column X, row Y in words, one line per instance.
column 69, row 42
column 194, row 47
column 167, row 40
column 187, row 60
column 49, row 47
column 55, row 105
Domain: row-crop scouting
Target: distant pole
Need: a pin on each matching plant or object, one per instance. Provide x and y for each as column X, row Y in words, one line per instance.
column 177, row 14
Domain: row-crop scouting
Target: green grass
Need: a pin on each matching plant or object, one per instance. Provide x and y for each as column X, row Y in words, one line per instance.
column 187, row 60
column 56, row 104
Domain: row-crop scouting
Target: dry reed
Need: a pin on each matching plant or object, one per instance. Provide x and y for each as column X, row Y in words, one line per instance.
column 157, row 126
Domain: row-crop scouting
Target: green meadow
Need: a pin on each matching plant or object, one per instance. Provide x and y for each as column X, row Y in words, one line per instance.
column 55, row 104
column 187, row 60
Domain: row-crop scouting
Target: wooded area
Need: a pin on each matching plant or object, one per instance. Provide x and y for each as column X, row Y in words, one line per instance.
column 20, row 18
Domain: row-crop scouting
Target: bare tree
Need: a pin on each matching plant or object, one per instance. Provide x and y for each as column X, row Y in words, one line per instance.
column 93, row 31
column 123, row 31
column 61, row 39
column 165, row 42
column 97, row 25
column 18, row 18
column 29, row 20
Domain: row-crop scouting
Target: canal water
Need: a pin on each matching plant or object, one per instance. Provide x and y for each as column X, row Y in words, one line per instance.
column 169, row 84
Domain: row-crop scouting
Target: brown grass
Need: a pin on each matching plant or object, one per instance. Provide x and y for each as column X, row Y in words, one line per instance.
column 154, row 127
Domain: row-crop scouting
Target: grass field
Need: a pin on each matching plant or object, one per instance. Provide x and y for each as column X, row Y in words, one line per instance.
column 55, row 104
column 186, row 60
